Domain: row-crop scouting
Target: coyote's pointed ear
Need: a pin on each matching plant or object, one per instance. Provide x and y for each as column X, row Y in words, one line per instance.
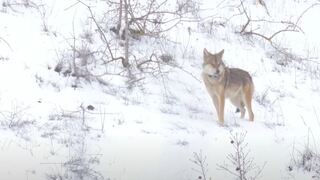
column 220, row 54
column 205, row 52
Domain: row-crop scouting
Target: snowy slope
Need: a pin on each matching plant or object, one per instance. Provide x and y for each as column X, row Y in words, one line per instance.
column 49, row 131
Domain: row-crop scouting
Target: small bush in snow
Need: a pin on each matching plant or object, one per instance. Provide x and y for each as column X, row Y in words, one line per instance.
column 262, row 98
column 201, row 165
column 308, row 160
column 241, row 165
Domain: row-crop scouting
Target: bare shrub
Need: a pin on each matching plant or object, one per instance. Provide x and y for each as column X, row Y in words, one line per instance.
column 283, row 55
column 17, row 120
column 306, row 158
column 262, row 98
column 19, row 6
column 117, row 49
column 16, row 5
column 240, row 164
column 199, row 160
column 77, row 167
column 71, row 130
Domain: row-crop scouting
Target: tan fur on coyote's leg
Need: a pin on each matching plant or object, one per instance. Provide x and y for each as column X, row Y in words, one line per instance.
column 216, row 103
column 247, row 101
column 242, row 112
column 221, row 108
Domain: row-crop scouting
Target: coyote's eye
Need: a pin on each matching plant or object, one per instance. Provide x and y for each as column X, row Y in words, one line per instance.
column 220, row 67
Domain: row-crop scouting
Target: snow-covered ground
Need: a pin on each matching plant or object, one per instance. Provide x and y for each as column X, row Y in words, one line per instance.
column 52, row 129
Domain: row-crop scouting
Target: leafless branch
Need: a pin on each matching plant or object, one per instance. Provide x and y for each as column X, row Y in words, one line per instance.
column 241, row 163
column 290, row 26
column 6, row 42
column 104, row 38
column 305, row 11
column 200, row 161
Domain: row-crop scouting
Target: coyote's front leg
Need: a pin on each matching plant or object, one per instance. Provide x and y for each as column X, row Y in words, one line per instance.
column 215, row 102
column 221, row 100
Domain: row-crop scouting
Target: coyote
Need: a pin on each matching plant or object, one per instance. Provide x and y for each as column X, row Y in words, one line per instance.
column 223, row 82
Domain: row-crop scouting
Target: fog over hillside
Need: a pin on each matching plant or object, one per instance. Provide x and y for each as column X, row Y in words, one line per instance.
column 112, row 90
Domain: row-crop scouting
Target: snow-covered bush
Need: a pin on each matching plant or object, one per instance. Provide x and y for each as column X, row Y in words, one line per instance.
column 307, row 160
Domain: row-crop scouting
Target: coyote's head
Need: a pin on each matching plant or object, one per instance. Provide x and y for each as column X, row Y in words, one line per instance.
column 213, row 65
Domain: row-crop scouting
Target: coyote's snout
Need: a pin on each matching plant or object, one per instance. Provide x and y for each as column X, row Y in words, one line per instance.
column 223, row 82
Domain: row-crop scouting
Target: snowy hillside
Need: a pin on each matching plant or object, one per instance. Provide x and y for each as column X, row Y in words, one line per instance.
column 71, row 108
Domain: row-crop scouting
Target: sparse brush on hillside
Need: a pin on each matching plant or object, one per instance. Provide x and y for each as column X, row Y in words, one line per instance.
column 112, row 89
column 127, row 40
column 240, row 164
column 307, row 158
